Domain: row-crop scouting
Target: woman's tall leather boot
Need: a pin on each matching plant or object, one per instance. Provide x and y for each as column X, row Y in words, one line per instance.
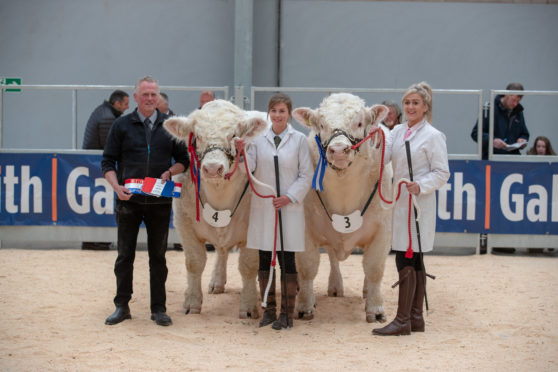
column 401, row 325
column 417, row 321
column 270, row 311
column 288, row 298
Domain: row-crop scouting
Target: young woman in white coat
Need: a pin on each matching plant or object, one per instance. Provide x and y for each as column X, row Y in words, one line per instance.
column 295, row 178
column 431, row 171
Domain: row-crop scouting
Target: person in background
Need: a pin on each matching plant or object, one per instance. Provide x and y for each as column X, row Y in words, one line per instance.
column 101, row 120
column 137, row 147
column 295, row 178
column 431, row 171
column 163, row 104
column 206, row 96
column 542, row 146
column 394, row 114
column 509, row 124
column 95, row 137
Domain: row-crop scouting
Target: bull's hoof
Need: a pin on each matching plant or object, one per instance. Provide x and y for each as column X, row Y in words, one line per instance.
column 192, row 310
column 306, row 315
column 335, row 293
column 373, row 318
column 249, row 314
column 217, row 289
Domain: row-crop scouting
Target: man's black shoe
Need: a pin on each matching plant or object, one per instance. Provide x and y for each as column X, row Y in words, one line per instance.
column 161, row 318
column 121, row 313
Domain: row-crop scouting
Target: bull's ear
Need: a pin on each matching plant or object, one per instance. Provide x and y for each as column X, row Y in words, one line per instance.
column 304, row 116
column 179, row 126
column 252, row 127
column 379, row 113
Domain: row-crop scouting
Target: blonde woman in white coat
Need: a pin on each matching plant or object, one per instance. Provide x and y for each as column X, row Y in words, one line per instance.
column 431, row 171
column 295, row 178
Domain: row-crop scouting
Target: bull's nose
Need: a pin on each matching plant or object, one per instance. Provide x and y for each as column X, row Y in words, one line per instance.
column 213, row 170
column 338, row 148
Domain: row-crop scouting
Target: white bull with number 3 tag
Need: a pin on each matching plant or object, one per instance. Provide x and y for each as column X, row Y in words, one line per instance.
column 347, row 224
column 216, row 218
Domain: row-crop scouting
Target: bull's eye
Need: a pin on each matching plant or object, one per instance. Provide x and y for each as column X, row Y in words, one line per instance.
column 360, row 125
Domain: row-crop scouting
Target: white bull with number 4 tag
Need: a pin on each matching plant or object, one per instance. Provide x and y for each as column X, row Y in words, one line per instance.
column 347, row 224
column 216, row 218
column 213, row 129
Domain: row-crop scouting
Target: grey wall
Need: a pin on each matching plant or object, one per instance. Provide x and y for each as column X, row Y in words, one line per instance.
column 360, row 44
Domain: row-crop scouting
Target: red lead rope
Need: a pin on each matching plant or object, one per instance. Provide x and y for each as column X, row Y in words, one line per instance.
column 409, row 252
column 249, row 175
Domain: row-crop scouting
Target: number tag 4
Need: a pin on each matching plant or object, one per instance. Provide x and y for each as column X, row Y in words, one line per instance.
column 216, row 218
column 347, row 224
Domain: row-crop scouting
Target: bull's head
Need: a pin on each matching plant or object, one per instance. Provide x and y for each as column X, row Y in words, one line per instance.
column 214, row 128
column 341, row 121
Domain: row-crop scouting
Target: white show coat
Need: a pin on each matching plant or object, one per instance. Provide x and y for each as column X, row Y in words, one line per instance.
column 429, row 156
column 295, row 178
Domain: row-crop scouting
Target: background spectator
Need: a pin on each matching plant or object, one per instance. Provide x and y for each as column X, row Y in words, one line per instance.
column 206, row 96
column 163, row 104
column 394, row 114
column 101, row 120
column 509, row 124
column 542, row 146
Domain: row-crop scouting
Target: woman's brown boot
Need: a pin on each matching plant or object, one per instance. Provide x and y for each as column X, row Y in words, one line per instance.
column 288, row 298
column 270, row 311
column 417, row 321
column 401, row 325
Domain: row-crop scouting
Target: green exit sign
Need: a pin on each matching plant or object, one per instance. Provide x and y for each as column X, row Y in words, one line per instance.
column 11, row 82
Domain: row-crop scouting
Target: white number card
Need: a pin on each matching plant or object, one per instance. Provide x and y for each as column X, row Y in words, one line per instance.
column 347, row 224
column 216, row 218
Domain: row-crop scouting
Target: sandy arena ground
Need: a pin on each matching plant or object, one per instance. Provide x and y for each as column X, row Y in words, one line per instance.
column 488, row 313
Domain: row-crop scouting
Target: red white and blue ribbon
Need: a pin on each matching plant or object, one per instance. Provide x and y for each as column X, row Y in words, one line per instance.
column 154, row 187
column 318, row 179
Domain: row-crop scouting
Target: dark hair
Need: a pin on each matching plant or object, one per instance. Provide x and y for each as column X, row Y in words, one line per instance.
column 514, row 86
column 280, row 98
column 164, row 95
column 549, row 150
column 117, row 95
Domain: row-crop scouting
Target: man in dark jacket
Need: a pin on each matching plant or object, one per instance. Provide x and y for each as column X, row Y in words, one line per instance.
column 509, row 124
column 137, row 147
column 101, row 120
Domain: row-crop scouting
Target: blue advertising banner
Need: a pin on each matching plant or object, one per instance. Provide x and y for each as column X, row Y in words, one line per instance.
column 480, row 196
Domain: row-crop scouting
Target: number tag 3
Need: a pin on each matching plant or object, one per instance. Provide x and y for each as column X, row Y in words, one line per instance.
column 216, row 218
column 347, row 224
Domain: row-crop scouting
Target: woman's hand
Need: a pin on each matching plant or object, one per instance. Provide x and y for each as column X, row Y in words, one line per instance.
column 281, row 201
column 413, row 188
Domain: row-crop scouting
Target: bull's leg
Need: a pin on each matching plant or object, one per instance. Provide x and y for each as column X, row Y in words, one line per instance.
column 307, row 263
column 335, row 282
column 196, row 257
column 248, row 262
column 219, row 274
column 373, row 263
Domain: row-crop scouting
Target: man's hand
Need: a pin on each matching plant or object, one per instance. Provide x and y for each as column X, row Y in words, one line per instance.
column 122, row 192
column 499, row 144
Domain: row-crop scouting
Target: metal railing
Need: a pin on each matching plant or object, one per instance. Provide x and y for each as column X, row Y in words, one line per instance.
column 75, row 88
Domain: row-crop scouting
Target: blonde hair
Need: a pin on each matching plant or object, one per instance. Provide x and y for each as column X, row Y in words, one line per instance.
column 425, row 92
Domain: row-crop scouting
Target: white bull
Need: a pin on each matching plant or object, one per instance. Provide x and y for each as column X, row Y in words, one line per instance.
column 213, row 128
column 349, row 181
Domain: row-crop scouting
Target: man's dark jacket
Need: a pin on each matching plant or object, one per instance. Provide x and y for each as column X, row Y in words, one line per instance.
column 133, row 151
column 98, row 126
column 509, row 126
